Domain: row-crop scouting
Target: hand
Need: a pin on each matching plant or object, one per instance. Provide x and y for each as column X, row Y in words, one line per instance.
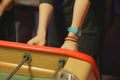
column 70, row 45
column 37, row 40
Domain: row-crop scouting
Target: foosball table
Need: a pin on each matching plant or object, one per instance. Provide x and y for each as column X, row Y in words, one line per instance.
column 20, row 61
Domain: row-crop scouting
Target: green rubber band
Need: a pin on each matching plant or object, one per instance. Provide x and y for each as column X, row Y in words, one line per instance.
column 76, row 43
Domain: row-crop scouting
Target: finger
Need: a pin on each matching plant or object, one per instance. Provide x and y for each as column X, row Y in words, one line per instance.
column 30, row 42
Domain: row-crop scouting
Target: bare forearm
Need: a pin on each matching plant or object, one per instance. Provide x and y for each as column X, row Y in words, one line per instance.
column 79, row 13
column 5, row 3
column 80, row 10
column 45, row 13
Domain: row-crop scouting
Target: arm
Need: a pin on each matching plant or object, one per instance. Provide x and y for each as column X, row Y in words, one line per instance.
column 3, row 5
column 45, row 13
column 80, row 10
column 79, row 13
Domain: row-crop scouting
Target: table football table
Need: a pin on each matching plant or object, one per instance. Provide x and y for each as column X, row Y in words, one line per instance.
column 20, row 61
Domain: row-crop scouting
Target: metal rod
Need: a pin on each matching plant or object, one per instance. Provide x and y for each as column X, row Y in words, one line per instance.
column 17, row 68
column 61, row 64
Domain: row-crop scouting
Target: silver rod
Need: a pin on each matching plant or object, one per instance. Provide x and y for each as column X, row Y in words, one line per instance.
column 17, row 68
column 61, row 64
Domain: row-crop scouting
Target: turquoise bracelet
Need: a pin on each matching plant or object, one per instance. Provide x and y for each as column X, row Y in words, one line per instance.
column 75, row 30
column 72, row 29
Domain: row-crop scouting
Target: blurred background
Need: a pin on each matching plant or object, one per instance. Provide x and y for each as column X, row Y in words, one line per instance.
column 111, row 47
column 26, row 20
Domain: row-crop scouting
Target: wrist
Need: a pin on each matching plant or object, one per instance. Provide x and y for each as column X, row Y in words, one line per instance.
column 41, row 34
column 71, row 40
column 73, row 35
column 74, row 32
